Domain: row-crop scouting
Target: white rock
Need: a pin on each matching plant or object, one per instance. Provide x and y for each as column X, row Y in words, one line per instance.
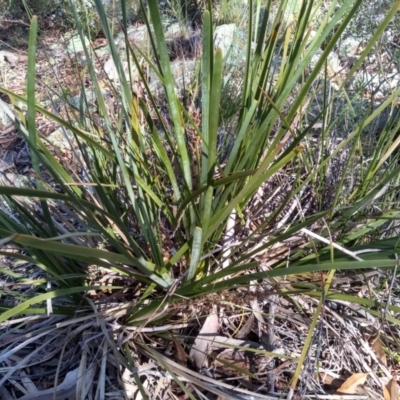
column 137, row 35
column 377, row 83
column 183, row 72
column 174, row 30
column 7, row 58
column 112, row 73
column 5, row 120
column 334, row 62
column 74, row 44
column 62, row 139
column 350, row 46
column 230, row 39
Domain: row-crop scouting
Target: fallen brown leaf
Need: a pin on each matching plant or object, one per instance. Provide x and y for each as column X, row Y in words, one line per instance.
column 99, row 42
column 377, row 348
column 351, row 385
column 246, row 328
column 391, row 390
column 181, row 355
column 327, row 379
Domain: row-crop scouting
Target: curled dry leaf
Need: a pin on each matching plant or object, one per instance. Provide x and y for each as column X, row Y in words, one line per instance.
column 206, row 336
column 129, row 386
column 181, row 356
column 330, row 380
column 391, row 390
column 99, row 42
column 351, row 385
column 246, row 328
column 377, row 348
column 64, row 390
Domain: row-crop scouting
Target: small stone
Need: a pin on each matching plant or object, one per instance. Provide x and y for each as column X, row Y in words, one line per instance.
column 5, row 120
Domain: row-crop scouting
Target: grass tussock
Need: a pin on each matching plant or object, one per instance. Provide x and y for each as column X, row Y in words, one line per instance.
column 197, row 226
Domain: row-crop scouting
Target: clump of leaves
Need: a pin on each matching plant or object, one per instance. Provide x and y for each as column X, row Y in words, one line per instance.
column 158, row 203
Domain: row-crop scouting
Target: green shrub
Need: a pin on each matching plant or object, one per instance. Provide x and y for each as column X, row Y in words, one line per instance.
column 160, row 205
column 59, row 15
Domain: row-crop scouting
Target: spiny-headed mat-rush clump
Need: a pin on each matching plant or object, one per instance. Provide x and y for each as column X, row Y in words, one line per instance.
column 172, row 264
